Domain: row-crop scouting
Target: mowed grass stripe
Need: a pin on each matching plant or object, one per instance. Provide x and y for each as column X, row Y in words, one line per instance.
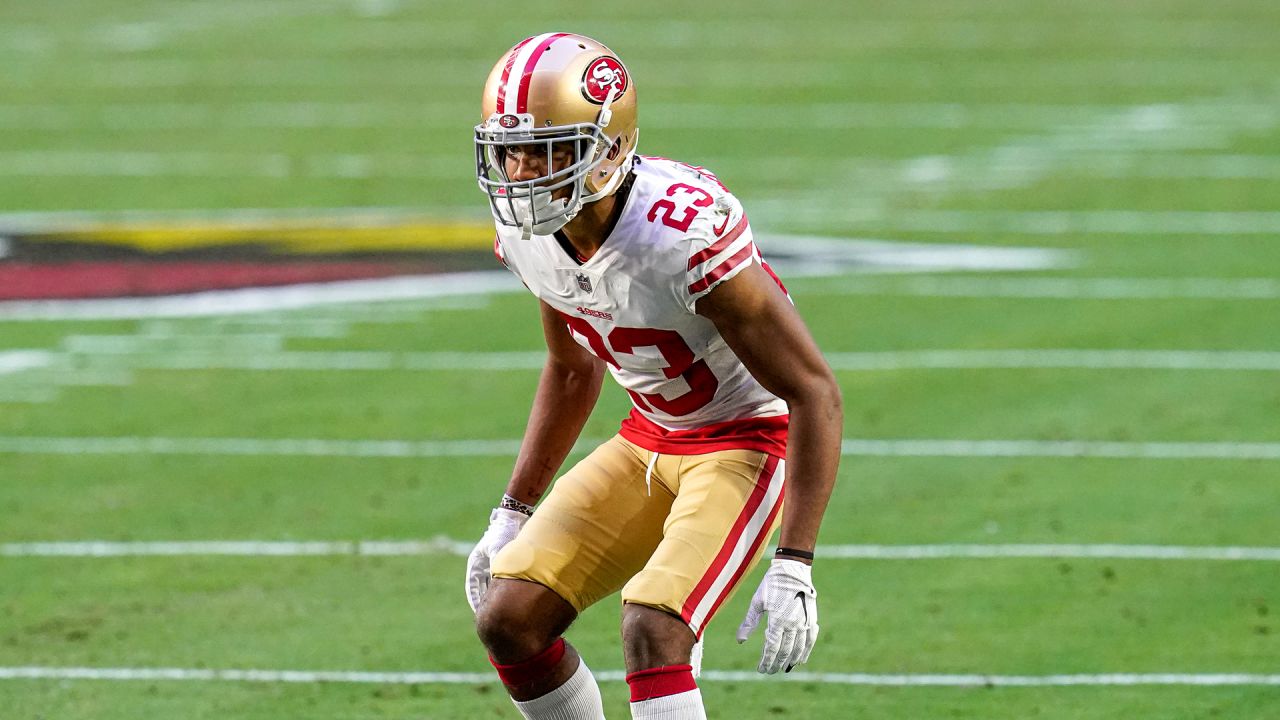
column 866, row 447
column 398, row 114
column 464, row 678
column 449, row 546
column 1066, row 222
column 103, row 351
column 1055, row 288
column 1018, row 616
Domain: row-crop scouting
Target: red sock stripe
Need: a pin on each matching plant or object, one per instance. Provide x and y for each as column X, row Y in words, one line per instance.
column 661, row 682
column 535, row 668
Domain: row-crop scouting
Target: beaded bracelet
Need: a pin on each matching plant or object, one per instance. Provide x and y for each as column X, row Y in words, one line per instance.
column 510, row 503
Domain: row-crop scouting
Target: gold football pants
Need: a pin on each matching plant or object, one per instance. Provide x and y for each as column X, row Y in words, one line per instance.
column 673, row 532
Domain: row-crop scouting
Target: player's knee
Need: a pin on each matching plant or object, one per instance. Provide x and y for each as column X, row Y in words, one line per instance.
column 514, row 626
column 654, row 638
column 505, row 629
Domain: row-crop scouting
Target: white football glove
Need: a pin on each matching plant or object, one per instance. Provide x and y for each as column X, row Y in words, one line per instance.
column 504, row 525
column 787, row 594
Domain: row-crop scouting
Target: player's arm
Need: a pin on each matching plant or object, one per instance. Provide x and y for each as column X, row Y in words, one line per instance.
column 764, row 330
column 567, row 392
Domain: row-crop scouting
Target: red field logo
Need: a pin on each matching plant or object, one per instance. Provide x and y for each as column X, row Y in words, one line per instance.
column 603, row 74
column 508, row 121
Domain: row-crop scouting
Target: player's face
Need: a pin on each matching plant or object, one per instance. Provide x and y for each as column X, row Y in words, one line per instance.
column 530, row 162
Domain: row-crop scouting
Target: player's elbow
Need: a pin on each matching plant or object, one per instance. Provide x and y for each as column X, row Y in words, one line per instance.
column 574, row 372
column 819, row 393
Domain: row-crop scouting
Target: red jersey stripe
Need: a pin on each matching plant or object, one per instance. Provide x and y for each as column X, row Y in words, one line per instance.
column 742, row 256
column 506, row 73
column 526, row 76
column 775, row 277
column 720, row 245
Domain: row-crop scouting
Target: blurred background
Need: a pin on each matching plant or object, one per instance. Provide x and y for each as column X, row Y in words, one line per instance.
column 261, row 379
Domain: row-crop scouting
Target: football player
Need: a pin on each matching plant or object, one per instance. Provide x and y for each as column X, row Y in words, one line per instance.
column 644, row 267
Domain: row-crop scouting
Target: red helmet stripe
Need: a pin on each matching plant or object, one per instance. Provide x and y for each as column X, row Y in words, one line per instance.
column 506, row 71
column 522, row 100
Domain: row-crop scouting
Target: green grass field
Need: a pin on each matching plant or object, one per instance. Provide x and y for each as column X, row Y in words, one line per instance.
column 1142, row 137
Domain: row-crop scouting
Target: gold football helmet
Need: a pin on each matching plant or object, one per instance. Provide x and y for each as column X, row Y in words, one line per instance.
column 570, row 97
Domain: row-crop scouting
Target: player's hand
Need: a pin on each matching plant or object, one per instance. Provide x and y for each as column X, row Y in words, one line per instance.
column 503, row 527
column 787, row 595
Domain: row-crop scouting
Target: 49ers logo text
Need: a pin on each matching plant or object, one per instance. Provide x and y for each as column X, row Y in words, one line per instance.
column 604, row 74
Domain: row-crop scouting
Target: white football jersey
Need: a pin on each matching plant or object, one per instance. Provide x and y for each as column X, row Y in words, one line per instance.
column 680, row 234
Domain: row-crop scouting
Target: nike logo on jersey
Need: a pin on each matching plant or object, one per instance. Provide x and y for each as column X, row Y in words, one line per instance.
column 720, row 230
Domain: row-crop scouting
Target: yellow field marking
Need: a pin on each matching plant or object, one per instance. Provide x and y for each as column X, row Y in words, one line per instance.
column 295, row 237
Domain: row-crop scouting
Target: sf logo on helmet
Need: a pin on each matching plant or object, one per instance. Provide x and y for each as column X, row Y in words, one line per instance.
column 603, row 74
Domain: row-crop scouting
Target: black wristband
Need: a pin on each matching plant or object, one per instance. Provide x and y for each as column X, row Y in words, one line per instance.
column 510, row 503
column 793, row 552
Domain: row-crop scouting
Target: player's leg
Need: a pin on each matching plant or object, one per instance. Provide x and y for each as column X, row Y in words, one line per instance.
column 727, row 505
column 520, row 624
column 595, row 530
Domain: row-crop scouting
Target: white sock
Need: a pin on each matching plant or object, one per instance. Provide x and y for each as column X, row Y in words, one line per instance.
column 577, row 699
column 681, row 706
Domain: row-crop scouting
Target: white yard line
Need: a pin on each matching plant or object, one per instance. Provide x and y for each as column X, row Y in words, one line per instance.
column 1058, row 359
column 1056, row 551
column 487, row 678
column 317, row 447
column 297, row 447
column 246, row 548
column 1063, row 448
column 16, row 361
column 257, row 300
column 443, row 546
column 1065, row 288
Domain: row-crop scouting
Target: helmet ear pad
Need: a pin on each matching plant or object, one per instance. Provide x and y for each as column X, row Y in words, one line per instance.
column 616, row 157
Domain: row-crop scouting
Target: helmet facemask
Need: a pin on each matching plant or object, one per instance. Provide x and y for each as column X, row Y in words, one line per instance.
column 531, row 204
